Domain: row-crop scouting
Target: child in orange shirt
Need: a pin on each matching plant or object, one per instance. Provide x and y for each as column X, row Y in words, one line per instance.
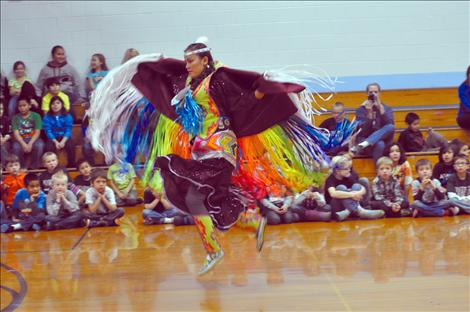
column 12, row 183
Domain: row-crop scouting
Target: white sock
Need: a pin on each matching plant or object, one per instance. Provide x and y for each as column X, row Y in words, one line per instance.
column 16, row 226
column 168, row 220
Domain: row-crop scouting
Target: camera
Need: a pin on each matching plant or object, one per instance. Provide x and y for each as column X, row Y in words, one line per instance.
column 371, row 97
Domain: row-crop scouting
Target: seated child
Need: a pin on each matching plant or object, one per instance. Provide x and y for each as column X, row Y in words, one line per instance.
column 121, row 178
column 62, row 205
column 276, row 206
column 5, row 134
column 460, row 147
column 445, row 167
column 159, row 211
column 57, row 125
column 412, row 138
column 83, row 180
column 53, row 88
column 29, row 205
column 428, row 193
column 310, row 205
column 458, row 185
column 51, row 163
column 12, row 183
column 102, row 210
column 5, row 220
column 386, row 192
column 344, row 192
column 27, row 127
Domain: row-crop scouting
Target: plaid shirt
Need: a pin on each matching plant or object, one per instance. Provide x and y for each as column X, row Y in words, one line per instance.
column 387, row 191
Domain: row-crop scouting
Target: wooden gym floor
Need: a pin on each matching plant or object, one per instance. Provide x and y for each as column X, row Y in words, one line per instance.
column 383, row 265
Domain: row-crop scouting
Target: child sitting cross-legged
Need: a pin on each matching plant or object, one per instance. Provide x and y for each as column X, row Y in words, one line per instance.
column 102, row 209
column 121, row 176
column 276, row 206
column 29, row 206
column 428, row 193
column 83, row 180
column 12, row 183
column 310, row 205
column 157, row 209
column 386, row 192
column 458, row 185
column 62, row 205
column 344, row 192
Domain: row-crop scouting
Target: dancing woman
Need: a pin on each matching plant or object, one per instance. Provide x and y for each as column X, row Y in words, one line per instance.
column 218, row 135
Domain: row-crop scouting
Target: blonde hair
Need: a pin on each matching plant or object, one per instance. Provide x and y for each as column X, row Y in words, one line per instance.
column 340, row 162
column 47, row 154
column 384, row 161
column 130, row 53
column 59, row 176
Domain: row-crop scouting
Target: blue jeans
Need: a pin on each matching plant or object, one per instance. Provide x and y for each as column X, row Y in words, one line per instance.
column 346, row 203
column 378, row 139
column 462, row 204
column 12, row 107
column 32, row 159
column 156, row 216
column 435, row 209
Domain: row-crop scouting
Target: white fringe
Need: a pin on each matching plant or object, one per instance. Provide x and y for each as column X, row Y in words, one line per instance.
column 111, row 105
column 308, row 77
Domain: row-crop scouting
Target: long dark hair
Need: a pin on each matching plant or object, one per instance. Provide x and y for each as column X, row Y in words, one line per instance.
column 402, row 151
column 445, row 148
column 62, row 112
column 102, row 60
column 18, row 63
column 207, row 71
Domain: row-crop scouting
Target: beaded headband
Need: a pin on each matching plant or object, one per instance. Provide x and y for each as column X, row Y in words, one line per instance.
column 206, row 49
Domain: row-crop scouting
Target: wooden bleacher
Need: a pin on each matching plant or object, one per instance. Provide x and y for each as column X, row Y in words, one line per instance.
column 436, row 107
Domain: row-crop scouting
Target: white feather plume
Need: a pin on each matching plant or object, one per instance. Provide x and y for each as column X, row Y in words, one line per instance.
column 111, row 105
column 312, row 79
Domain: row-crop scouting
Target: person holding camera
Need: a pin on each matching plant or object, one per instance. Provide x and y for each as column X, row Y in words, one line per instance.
column 376, row 124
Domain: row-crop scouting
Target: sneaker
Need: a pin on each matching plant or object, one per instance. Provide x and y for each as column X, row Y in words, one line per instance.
column 210, row 262
column 36, row 227
column 148, row 221
column 405, row 212
column 6, row 228
column 167, row 220
column 454, row 210
column 369, row 214
column 342, row 215
column 49, row 226
column 260, row 233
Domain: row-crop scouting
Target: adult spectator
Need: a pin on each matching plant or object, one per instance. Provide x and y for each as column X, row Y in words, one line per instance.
column 21, row 86
column 376, row 124
column 463, row 117
column 70, row 82
column 4, row 93
column 336, row 125
column 130, row 53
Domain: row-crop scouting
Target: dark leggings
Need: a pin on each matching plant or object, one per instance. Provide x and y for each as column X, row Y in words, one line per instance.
column 195, row 202
column 464, row 121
